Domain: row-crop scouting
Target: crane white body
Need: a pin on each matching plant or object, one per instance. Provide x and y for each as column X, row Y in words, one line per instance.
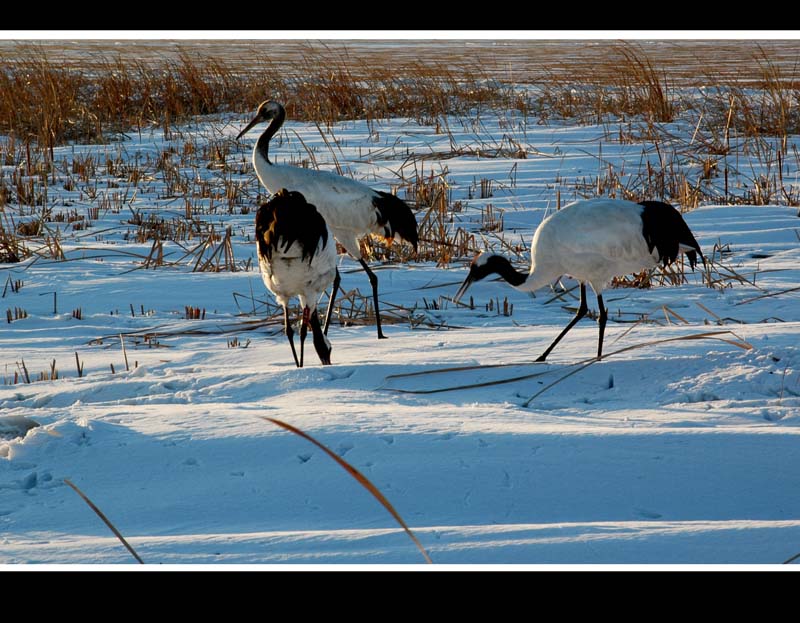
column 287, row 274
column 594, row 240
column 346, row 205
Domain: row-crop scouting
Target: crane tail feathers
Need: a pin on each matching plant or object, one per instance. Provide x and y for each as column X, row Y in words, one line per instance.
column 396, row 217
column 665, row 231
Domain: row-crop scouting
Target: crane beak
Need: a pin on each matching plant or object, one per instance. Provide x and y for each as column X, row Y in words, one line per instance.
column 464, row 287
column 254, row 121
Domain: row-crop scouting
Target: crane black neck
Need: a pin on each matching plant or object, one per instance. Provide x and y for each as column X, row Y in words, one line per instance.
column 262, row 146
column 500, row 265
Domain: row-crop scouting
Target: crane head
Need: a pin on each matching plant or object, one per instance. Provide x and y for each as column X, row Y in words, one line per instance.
column 482, row 266
column 267, row 111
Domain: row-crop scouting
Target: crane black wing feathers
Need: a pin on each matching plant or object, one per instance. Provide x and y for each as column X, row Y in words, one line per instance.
column 288, row 218
column 664, row 229
column 396, row 217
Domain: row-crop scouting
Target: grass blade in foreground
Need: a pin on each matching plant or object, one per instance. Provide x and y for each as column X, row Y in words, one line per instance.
column 100, row 514
column 362, row 480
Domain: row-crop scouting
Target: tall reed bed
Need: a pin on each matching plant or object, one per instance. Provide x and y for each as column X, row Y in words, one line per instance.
column 748, row 87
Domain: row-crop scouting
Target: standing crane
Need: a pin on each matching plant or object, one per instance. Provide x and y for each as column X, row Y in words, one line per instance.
column 351, row 209
column 297, row 257
column 594, row 240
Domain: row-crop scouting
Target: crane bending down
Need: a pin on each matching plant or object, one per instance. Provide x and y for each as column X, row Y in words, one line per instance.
column 594, row 240
column 351, row 209
column 297, row 257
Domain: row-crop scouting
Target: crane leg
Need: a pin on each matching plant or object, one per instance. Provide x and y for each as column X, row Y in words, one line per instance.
column 580, row 314
column 336, row 281
column 602, row 322
column 287, row 327
column 303, row 333
column 374, row 281
column 321, row 344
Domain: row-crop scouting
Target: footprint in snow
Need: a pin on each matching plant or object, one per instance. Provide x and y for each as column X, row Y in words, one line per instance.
column 771, row 417
column 173, row 385
column 13, row 426
column 344, row 448
column 81, row 439
column 647, row 514
column 25, row 484
column 339, row 374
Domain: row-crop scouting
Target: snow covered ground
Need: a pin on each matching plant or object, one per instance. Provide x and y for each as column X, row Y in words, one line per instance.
column 682, row 451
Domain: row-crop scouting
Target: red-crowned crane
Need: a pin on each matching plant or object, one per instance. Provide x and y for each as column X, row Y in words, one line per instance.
column 297, row 257
column 351, row 209
column 592, row 241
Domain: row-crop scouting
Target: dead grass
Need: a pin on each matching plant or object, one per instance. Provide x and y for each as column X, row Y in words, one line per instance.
column 12, row 247
column 44, row 102
column 91, row 100
column 624, row 82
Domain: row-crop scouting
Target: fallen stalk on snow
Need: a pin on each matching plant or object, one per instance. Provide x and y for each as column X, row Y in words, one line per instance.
column 161, row 331
column 582, row 365
column 579, row 366
column 461, row 369
column 764, row 296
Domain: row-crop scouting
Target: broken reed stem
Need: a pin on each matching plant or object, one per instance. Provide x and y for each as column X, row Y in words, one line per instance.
column 252, row 296
column 706, row 309
column 764, row 296
column 440, row 390
column 105, row 519
column 25, row 372
column 359, row 477
column 124, row 352
column 668, row 312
